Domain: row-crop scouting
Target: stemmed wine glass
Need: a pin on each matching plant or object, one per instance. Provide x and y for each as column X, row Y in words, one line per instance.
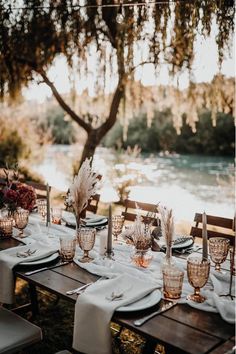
column 21, row 218
column 218, row 248
column 198, row 273
column 117, row 225
column 86, row 240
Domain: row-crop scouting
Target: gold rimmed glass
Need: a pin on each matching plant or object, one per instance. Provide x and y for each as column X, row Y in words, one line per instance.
column 117, row 225
column 218, row 249
column 198, row 273
column 86, row 240
column 42, row 208
column 21, row 218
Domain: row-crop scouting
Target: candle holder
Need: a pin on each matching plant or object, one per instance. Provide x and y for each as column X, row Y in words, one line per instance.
column 6, row 227
column 110, row 255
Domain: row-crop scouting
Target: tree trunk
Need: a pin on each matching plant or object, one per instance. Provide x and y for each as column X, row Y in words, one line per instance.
column 90, row 145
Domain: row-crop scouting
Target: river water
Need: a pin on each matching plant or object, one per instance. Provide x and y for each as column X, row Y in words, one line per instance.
column 188, row 184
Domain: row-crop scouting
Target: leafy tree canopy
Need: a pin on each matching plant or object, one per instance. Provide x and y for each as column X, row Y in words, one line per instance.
column 35, row 32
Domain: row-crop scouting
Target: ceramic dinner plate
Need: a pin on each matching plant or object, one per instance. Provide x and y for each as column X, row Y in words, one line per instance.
column 69, row 218
column 42, row 260
column 184, row 244
column 98, row 223
column 142, row 304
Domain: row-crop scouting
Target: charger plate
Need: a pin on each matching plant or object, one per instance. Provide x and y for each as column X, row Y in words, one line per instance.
column 148, row 301
column 51, row 258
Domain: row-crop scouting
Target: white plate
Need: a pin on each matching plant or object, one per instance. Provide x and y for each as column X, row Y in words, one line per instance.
column 184, row 244
column 144, row 303
column 95, row 224
column 43, row 260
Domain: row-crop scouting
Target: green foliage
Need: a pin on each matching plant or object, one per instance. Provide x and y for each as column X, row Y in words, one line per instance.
column 12, row 147
column 61, row 130
column 161, row 136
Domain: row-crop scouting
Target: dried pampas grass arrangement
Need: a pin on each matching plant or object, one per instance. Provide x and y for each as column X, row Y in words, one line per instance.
column 84, row 186
column 141, row 234
column 167, row 225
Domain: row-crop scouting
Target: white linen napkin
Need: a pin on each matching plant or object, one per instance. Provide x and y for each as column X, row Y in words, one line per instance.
column 94, row 310
column 9, row 259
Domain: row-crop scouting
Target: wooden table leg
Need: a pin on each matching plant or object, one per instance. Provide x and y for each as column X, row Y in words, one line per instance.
column 33, row 300
column 149, row 347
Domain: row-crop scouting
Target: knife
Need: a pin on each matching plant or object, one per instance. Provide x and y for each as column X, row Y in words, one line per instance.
column 45, row 268
column 166, row 306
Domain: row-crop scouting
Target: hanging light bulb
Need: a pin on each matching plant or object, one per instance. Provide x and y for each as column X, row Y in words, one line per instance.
column 120, row 17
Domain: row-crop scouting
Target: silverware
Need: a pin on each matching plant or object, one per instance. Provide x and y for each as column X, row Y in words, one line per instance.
column 75, row 291
column 83, row 287
column 45, row 268
column 166, row 306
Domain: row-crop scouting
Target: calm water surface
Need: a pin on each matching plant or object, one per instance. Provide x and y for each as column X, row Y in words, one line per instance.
column 188, row 184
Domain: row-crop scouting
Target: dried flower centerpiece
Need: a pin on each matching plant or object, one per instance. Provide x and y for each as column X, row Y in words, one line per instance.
column 167, row 227
column 84, row 186
column 142, row 241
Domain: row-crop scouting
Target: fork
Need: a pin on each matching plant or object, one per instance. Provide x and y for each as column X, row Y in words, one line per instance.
column 83, row 287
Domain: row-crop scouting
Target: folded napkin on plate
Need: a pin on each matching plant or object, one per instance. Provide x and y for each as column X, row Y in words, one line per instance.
column 9, row 259
column 94, row 310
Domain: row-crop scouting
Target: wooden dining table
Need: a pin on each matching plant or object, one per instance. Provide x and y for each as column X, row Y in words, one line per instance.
column 181, row 329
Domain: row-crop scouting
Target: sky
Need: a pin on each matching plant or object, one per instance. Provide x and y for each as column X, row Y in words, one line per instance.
column 205, row 66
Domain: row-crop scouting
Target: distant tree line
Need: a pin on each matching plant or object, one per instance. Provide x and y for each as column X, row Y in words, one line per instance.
column 162, row 136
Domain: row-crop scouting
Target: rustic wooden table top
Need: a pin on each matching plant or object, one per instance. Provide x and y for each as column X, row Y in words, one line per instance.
column 181, row 329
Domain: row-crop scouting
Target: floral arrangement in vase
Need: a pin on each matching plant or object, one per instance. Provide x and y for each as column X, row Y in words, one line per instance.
column 84, row 186
column 16, row 194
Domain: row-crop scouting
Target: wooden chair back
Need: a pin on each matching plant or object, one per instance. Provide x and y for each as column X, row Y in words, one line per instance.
column 130, row 212
column 216, row 227
column 93, row 203
column 40, row 189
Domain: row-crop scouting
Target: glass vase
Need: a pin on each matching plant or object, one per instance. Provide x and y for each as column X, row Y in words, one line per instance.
column 141, row 258
column 168, row 260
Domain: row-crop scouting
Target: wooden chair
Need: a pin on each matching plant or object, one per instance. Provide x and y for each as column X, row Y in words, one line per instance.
column 216, row 227
column 16, row 333
column 130, row 212
column 93, row 203
column 40, row 188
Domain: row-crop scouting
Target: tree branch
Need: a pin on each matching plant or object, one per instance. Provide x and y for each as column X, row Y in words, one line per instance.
column 63, row 104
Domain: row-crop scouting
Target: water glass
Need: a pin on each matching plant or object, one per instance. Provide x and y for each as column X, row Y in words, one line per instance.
column 198, row 273
column 86, row 240
column 56, row 215
column 172, row 282
column 6, row 227
column 67, row 248
column 42, row 208
column 117, row 225
column 218, row 248
column 21, row 218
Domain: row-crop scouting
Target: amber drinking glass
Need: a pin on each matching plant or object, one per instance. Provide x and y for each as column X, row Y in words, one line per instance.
column 67, row 248
column 21, row 218
column 198, row 273
column 56, row 215
column 218, row 248
column 117, row 225
column 172, row 282
column 86, row 240
column 6, row 227
column 42, row 208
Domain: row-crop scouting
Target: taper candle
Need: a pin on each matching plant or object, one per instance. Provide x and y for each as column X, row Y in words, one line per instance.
column 204, row 237
column 109, row 236
column 48, row 205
